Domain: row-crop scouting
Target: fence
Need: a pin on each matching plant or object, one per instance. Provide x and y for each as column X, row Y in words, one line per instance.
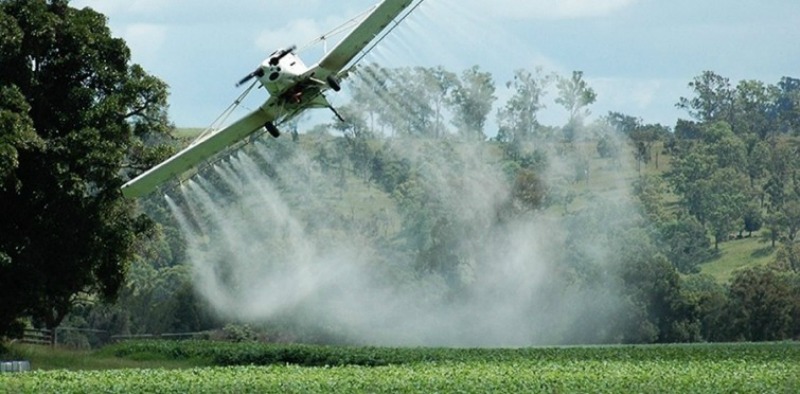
column 171, row 336
column 37, row 337
column 100, row 337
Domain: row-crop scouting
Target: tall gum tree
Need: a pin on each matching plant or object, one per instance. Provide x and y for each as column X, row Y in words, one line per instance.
column 74, row 113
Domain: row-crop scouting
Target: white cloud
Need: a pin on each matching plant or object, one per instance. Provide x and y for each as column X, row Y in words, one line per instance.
column 652, row 99
column 304, row 33
column 553, row 9
column 633, row 93
column 297, row 32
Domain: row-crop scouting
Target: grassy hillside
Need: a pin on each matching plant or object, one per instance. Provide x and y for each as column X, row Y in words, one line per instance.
column 188, row 133
column 737, row 254
column 732, row 256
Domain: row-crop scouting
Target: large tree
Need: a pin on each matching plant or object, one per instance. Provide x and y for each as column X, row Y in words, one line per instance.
column 713, row 101
column 574, row 94
column 518, row 121
column 74, row 113
column 472, row 99
column 787, row 105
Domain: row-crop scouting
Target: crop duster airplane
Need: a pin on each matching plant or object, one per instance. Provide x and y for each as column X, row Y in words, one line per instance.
column 293, row 88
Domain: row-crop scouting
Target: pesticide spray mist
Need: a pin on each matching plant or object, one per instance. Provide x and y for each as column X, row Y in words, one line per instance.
column 280, row 235
column 277, row 240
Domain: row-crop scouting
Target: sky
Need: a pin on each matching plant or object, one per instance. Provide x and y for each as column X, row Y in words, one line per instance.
column 638, row 55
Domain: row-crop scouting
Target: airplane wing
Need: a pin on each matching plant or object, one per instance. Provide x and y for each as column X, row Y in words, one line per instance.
column 371, row 27
column 197, row 153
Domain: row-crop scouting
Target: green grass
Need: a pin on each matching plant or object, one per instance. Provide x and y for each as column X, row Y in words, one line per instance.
column 188, row 132
column 47, row 358
column 738, row 254
column 699, row 368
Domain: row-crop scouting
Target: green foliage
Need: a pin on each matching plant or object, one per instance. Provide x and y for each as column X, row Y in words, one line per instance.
column 787, row 105
column 713, row 99
column 16, row 133
column 760, row 305
column 529, row 189
column 414, row 101
column 753, row 218
column 473, row 99
column 71, row 110
column 239, row 333
column 685, row 243
column 708, row 297
column 518, row 119
column 723, row 203
column 574, row 94
column 228, row 353
column 43, row 358
column 607, row 148
column 788, row 257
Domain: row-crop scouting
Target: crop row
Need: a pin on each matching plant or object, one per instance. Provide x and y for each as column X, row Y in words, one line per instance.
column 224, row 354
column 501, row 377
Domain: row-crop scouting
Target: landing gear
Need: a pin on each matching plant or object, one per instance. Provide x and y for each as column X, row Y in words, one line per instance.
column 273, row 130
column 333, row 82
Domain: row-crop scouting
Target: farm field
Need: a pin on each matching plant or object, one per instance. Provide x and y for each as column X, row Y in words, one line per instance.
column 700, row 368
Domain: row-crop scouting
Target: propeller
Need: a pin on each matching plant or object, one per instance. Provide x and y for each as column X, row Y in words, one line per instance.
column 273, row 61
column 259, row 72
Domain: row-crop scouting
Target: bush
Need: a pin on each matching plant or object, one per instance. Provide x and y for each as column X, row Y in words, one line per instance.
column 239, row 333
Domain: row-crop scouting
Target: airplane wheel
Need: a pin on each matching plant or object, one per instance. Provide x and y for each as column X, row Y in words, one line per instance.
column 333, row 82
column 273, row 130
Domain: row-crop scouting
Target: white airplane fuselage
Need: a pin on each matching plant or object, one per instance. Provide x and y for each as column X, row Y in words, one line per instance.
column 278, row 78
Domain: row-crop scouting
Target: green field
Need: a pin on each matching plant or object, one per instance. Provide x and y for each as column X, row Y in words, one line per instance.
column 262, row 368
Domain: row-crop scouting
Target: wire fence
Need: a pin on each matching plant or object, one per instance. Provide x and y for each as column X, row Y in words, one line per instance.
column 92, row 338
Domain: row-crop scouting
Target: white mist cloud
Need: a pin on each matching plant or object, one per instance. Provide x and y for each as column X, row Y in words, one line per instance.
column 291, row 246
column 286, row 245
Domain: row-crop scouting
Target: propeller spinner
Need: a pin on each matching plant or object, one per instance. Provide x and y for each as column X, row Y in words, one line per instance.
column 273, row 61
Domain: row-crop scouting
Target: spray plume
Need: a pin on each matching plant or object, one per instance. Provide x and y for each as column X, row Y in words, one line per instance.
column 279, row 235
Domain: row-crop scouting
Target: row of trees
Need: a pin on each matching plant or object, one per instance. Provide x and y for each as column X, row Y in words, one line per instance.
column 435, row 102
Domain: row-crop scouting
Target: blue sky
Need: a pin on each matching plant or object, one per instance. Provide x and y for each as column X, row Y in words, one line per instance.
column 638, row 55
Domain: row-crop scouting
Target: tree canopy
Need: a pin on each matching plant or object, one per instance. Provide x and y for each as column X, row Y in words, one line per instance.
column 74, row 113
